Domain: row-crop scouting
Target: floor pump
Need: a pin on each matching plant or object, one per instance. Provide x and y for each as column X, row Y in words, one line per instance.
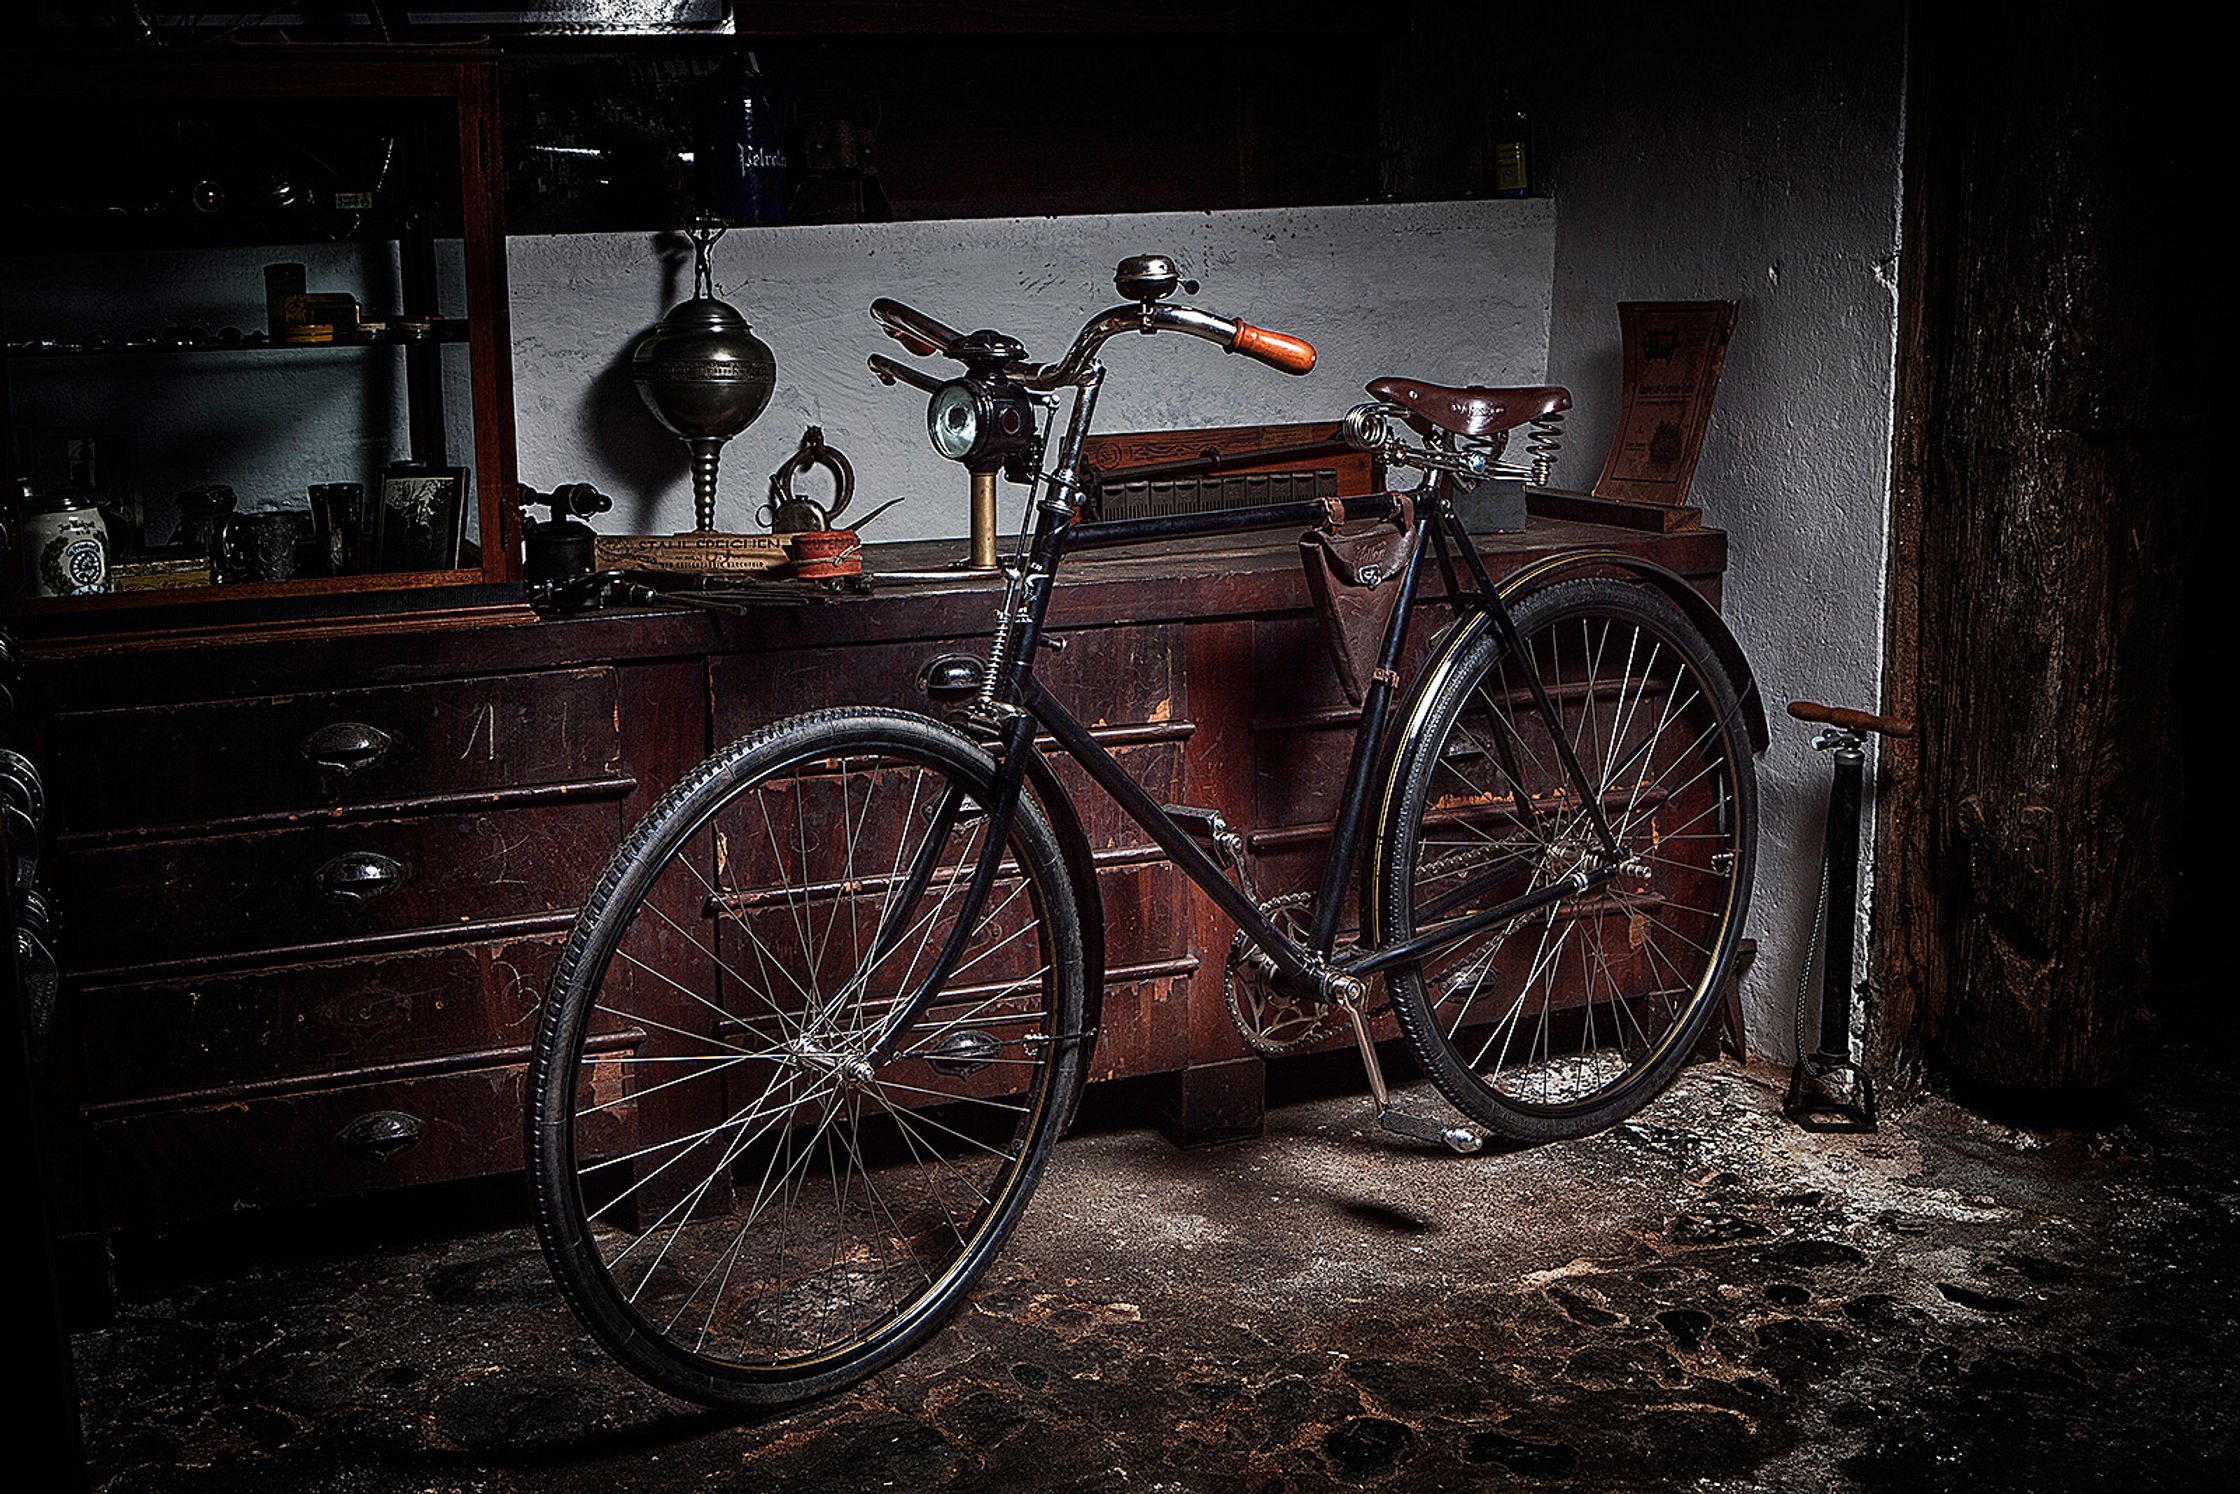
column 1828, row 1089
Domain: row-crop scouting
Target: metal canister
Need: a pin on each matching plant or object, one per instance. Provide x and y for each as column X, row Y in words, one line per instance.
column 65, row 544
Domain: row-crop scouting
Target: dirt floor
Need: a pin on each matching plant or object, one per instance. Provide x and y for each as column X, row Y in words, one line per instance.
column 1704, row 1297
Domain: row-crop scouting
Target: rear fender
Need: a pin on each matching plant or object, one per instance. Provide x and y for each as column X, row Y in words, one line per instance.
column 1675, row 586
column 1446, row 654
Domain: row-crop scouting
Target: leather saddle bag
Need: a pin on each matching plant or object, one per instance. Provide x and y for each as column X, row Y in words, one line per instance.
column 1355, row 572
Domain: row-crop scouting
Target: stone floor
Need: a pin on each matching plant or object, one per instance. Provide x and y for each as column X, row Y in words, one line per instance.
column 1701, row 1298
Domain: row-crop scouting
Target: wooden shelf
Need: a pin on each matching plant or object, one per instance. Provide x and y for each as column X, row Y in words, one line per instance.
column 449, row 158
column 449, row 330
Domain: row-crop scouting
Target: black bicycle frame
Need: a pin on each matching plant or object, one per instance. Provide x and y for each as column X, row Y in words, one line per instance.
column 1013, row 705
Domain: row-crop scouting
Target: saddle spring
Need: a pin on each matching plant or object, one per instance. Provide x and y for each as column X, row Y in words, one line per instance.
column 1000, row 648
column 1543, row 443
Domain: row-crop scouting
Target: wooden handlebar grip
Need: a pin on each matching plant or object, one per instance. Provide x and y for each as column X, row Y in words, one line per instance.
column 1294, row 355
column 1848, row 719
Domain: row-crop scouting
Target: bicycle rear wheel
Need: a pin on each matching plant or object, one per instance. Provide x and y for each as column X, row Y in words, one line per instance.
column 740, row 1193
column 1562, row 1020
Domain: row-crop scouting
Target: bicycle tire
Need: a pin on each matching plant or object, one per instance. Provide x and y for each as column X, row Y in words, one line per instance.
column 1483, row 816
column 798, row 756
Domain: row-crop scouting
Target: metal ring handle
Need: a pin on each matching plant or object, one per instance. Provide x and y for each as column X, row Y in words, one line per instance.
column 382, row 1134
column 813, row 453
column 23, row 785
column 361, row 876
column 347, row 747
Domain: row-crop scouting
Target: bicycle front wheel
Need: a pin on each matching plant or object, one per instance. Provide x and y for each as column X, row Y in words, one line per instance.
column 1564, row 1019
column 758, row 1176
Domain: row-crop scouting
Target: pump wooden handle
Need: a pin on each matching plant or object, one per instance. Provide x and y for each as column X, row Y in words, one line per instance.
column 1848, row 719
column 1294, row 355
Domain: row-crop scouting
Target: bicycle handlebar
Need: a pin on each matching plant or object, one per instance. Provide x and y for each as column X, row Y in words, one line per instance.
column 924, row 335
column 920, row 333
column 1294, row 355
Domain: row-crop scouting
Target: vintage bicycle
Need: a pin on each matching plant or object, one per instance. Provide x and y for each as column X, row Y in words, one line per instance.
column 828, row 1007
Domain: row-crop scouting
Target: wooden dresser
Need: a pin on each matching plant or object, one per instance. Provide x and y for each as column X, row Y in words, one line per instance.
column 312, row 877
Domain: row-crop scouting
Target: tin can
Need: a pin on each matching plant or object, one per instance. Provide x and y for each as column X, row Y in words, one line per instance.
column 65, row 545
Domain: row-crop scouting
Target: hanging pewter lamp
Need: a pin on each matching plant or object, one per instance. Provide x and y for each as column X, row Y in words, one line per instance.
column 704, row 374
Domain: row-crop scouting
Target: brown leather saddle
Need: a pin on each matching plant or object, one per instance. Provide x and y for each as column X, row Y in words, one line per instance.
column 1470, row 411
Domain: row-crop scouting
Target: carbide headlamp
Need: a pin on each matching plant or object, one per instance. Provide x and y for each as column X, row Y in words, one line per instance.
column 983, row 427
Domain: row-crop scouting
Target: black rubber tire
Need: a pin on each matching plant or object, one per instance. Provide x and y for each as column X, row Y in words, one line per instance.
column 560, row 1217
column 1416, row 762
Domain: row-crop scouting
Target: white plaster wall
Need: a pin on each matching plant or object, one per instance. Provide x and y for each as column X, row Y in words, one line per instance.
column 1451, row 291
column 1751, row 154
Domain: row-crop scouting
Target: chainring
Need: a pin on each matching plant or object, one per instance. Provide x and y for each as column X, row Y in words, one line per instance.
column 1271, row 1022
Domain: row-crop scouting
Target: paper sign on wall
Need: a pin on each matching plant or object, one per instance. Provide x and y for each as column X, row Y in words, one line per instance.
column 1673, row 351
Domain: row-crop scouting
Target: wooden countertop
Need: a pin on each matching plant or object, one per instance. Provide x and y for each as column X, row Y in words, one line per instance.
column 1225, row 576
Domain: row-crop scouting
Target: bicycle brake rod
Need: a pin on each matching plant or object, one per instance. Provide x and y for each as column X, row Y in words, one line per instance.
column 891, row 372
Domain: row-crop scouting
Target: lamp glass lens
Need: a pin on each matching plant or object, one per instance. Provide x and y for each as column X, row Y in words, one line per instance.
column 953, row 419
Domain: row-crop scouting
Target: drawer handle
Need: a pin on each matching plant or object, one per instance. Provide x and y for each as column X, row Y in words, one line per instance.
column 347, row 747
column 381, row 1134
column 360, row 876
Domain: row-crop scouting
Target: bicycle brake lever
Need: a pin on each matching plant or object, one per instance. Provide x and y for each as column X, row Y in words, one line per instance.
column 890, row 372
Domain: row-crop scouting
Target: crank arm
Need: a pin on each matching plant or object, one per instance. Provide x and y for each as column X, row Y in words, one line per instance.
column 1462, row 1139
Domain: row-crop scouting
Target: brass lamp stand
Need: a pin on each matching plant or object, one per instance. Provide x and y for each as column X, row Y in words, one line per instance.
column 983, row 556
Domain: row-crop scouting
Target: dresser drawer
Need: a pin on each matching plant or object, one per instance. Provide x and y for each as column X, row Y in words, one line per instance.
column 320, row 1143
column 1108, row 676
column 256, row 1027
column 153, row 907
column 189, row 764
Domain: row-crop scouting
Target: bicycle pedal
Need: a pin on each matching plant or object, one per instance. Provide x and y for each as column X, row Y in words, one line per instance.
column 1205, row 825
column 1463, row 1139
column 1209, row 829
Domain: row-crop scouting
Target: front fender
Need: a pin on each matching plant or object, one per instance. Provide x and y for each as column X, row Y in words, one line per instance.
column 1081, row 867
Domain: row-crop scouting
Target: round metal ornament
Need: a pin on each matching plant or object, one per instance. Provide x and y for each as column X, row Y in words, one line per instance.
column 704, row 374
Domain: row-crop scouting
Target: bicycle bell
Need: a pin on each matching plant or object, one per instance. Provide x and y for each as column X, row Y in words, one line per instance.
column 562, row 546
column 1150, row 277
column 791, row 512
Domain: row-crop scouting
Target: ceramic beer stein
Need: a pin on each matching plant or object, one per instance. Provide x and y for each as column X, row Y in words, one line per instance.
column 65, row 545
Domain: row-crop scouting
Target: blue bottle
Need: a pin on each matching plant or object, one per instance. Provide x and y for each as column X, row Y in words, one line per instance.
column 740, row 157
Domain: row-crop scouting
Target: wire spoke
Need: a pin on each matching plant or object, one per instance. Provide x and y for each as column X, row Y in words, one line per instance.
column 1590, row 988
column 787, row 1185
